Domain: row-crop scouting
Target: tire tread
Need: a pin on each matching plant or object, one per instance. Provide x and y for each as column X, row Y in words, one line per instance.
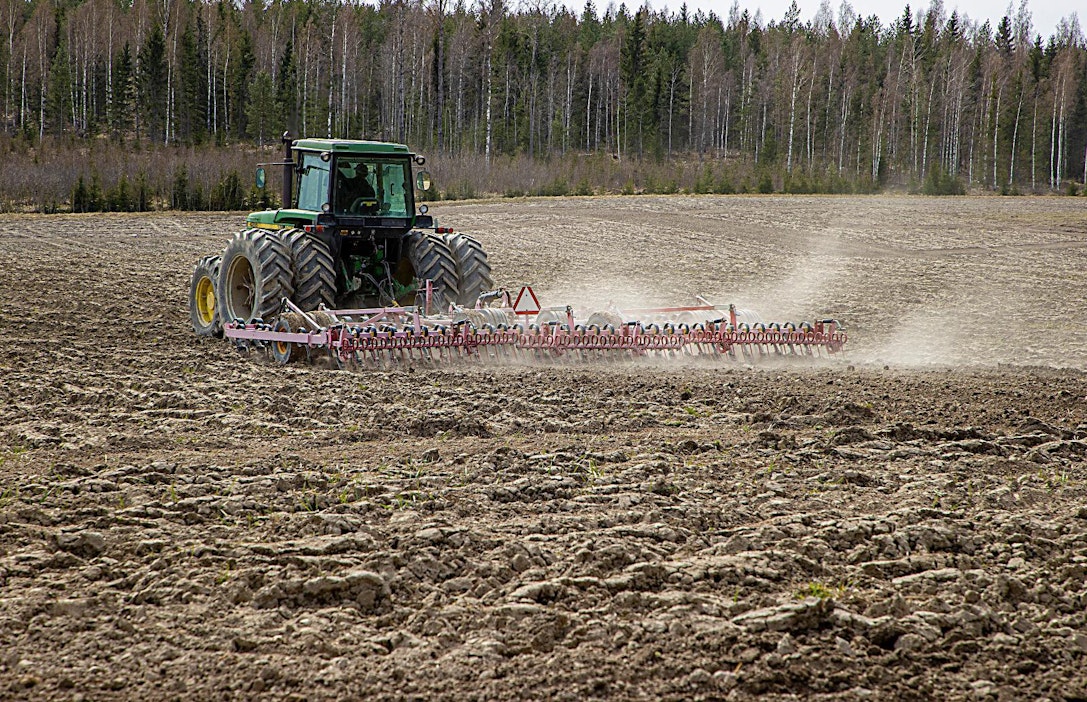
column 269, row 255
column 313, row 270
column 432, row 259
column 473, row 269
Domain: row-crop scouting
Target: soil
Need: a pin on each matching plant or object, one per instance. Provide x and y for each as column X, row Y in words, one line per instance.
column 905, row 521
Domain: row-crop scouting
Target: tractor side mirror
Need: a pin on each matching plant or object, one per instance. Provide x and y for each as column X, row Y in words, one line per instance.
column 422, row 180
column 262, row 179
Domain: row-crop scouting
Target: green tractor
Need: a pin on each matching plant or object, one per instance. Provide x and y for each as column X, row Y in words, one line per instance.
column 349, row 236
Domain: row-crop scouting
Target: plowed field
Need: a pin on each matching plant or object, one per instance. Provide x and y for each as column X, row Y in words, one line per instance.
column 908, row 521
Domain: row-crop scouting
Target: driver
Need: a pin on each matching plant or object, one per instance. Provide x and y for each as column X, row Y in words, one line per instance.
column 353, row 192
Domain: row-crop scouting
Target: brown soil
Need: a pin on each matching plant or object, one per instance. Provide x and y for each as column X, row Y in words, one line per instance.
column 906, row 522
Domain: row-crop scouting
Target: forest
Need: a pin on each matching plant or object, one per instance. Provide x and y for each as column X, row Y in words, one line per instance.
column 118, row 104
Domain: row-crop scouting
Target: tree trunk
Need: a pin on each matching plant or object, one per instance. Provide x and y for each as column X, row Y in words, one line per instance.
column 674, row 78
column 208, row 114
column 305, row 89
column 690, row 112
column 996, row 127
column 792, row 109
column 1015, row 137
column 924, row 134
column 532, row 82
column 331, row 75
column 705, row 91
column 842, row 129
column 809, row 143
column 345, row 117
column 1053, row 143
column 1060, row 140
column 439, row 5
column 827, row 120
column 1034, row 141
column 728, row 111
column 589, row 105
column 23, row 107
column 9, row 83
column 489, row 98
column 109, row 61
column 41, row 74
column 568, row 108
column 226, row 93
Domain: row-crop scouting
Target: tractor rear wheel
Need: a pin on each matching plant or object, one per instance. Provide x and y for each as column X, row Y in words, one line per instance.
column 473, row 270
column 203, row 310
column 254, row 276
column 314, row 271
column 427, row 257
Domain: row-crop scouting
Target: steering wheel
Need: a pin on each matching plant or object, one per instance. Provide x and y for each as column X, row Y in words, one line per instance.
column 363, row 203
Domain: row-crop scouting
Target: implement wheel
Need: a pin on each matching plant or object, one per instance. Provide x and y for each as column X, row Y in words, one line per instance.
column 473, row 270
column 282, row 350
column 203, row 310
column 314, row 271
column 427, row 257
column 254, row 276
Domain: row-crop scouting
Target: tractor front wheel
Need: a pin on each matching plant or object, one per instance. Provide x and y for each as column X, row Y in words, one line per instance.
column 203, row 311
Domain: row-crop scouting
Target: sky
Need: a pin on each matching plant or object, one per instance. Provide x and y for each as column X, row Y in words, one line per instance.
column 1045, row 14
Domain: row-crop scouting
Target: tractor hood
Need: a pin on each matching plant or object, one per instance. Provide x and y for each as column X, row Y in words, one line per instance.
column 280, row 219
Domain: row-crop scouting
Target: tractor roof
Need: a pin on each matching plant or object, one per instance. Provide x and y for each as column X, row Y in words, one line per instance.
column 352, row 146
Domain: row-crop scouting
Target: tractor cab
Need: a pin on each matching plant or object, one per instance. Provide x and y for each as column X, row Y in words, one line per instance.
column 350, row 188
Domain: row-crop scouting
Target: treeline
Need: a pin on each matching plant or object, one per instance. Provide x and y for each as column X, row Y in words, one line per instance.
column 930, row 101
column 140, row 196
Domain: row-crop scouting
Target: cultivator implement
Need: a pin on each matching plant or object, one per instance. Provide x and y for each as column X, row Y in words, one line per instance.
column 494, row 332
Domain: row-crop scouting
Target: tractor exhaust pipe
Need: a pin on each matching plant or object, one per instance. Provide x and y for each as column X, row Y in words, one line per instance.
column 288, row 169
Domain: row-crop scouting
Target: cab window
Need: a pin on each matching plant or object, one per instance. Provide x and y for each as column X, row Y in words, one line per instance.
column 313, row 183
column 371, row 186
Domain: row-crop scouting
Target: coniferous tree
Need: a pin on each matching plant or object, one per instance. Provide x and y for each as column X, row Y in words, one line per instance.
column 241, row 73
column 60, row 85
column 262, row 117
column 122, row 105
column 192, row 86
column 151, row 100
column 633, row 67
column 286, row 89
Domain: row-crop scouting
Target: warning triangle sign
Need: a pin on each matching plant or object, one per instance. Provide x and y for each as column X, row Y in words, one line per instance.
column 526, row 302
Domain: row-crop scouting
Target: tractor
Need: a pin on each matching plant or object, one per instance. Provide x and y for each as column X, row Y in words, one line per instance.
column 348, row 236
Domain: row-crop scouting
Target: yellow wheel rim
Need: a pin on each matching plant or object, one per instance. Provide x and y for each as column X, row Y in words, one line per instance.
column 205, row 300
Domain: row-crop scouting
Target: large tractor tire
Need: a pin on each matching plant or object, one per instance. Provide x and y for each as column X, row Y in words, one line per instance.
column 203, row 309
column 254, row 276
column 427, row 257
column 314, row 271
column 473, row 270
